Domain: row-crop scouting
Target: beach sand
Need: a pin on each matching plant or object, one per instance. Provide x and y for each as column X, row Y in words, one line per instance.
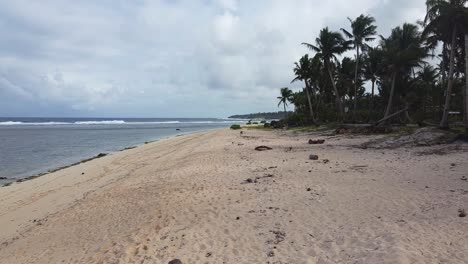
column 209, row 197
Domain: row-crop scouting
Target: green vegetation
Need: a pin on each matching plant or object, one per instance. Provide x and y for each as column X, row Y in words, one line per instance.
column 235, row 127
column 409, row 81
column 268, row 115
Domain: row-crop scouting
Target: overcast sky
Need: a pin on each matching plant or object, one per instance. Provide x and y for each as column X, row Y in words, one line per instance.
column 164, row 58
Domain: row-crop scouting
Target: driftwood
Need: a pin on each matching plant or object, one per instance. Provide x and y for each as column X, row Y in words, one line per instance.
column 390, row 116
column 262, row 148
column 316, row 142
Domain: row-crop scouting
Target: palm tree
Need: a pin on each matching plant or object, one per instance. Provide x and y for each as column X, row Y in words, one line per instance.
column 328, row 45
column 402, row 51
column 426, row 81
column 465, row 101
column 371, row 70
column 445, row 19
column 286, row 96
column 303, row 71
column 362, row 31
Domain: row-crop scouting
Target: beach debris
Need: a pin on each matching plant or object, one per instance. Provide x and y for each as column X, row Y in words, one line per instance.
column 313, row 157
column 175, row 261
column 249, row 180
column 464, row 178
column 326, row 161
column 271, row 254
column 242, row 132
column 279, row 237
column 255, row 180
column 262, row 148
column 208, row 254
column 316, row 142
column 461, row 213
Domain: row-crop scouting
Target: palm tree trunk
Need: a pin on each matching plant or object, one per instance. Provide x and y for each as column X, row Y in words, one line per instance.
column 371, row 103
column 355, row 82
column 285, row 113
column 448, row 94
column 337, row 94
column 465, row 115
column 390, row 98
column 310, row 102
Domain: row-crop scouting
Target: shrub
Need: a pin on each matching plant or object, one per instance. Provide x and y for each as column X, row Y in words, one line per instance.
column 255, row 123
column 235, row 127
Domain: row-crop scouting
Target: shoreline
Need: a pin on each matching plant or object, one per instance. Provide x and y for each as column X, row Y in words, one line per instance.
column 211, row 197
column 10, row 181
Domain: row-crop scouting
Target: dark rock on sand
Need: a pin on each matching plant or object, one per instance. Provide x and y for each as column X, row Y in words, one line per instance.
column 175, row 261
column 313, row 157
column 461, row 213
column 3, row 178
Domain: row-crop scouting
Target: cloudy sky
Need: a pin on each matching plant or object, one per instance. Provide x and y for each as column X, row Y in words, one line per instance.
column 164, row 58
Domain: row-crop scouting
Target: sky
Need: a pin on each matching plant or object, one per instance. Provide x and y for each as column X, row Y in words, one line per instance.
column 164, row 58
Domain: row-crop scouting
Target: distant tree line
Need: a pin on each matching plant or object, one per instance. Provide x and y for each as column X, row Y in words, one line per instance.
column 268, row 115
column 416, row 74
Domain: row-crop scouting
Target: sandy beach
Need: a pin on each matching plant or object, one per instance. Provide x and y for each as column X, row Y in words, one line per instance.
column 209, row 197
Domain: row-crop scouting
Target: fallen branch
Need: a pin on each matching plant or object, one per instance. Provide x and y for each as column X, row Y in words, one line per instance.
column 390, row 116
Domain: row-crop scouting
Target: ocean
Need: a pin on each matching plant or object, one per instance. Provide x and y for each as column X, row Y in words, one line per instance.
column 31, row 146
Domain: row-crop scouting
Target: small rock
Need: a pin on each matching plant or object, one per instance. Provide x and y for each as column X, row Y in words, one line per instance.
column 309, row 189
column 237, row 218
column 175, row 261
column 271, row 254
column 326, row 161
column 461, row 213
column 464, row 178
column 313, row 157
column 208, row 254
column 177, row 129
column 82, row 173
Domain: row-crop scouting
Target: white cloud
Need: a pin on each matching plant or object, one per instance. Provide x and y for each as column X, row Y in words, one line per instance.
column 164, row 58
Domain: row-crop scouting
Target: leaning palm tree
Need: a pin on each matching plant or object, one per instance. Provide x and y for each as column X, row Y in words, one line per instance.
column 402, row 51
column 303, row 71
column 286, row 96
column 362, row 30
column 446, row 19
column 328, row 45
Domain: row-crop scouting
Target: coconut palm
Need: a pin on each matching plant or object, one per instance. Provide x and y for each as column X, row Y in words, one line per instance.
column 371, row 68
column 402, row 51
column 362, row 30
column 303, row 71
column 446, row 19
column 465, row 101
column 328, row 45
column 286, row 96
